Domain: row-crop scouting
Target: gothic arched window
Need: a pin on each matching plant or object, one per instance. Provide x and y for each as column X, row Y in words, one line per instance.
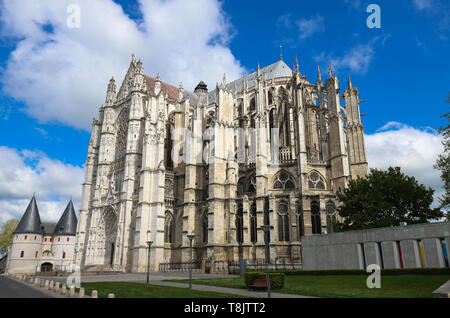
column 315, row 181
column 169, row 228
column 269, row 98
column 252, row 105
column 240, row 222
column 330, row 208
column 253, row 223
column 205, row 227
column 315, row 218
column 284, row 180
column 251, row 188
column 283, row 221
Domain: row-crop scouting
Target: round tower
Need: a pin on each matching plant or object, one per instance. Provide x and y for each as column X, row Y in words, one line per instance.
column 26, row 246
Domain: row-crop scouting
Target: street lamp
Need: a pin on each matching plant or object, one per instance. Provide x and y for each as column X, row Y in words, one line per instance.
column 190, row 237
column 149, row 243
column 266, row 229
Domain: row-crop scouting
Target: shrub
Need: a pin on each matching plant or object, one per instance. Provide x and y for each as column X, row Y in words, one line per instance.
column 276, row 279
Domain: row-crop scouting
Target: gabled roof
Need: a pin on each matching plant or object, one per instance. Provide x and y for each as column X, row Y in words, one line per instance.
column 31, row 221
column 67, row 224
column 172, row 91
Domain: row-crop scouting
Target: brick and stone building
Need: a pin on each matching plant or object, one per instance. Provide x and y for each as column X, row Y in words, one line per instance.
column 270, row 148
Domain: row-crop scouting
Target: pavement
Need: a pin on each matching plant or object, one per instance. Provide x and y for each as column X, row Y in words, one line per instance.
column 11, row 288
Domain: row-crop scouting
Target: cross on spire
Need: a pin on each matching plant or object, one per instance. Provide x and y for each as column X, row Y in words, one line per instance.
column 281, row 53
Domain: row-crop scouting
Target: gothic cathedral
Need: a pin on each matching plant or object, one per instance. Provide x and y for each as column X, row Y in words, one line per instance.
column 252, row 162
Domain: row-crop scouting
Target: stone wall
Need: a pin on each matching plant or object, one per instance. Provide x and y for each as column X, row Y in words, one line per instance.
column 412, row 246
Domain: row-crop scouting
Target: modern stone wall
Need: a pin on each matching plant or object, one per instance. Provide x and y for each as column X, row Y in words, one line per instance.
column 392, row 247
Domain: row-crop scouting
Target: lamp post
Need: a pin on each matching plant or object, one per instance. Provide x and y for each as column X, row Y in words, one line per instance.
column 266, row 229
column 149, row 243
column 190, row 237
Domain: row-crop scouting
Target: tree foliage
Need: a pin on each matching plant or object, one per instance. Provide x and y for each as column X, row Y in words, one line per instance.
column 385, row 198
column 443, row 163
column 6, row 234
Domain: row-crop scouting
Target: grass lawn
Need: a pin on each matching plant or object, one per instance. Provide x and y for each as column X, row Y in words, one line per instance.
column 141, row 290
column 398, row 286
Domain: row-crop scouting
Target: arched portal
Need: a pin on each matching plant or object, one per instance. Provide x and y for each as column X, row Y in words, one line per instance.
column 47, row 267
column 109, row 229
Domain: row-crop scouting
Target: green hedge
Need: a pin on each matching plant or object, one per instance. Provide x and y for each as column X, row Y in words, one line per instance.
column 276, row 279
column 387, row 271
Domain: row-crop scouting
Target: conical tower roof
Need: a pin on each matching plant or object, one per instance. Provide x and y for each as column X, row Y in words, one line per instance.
column 67, row 224
column 31, row 221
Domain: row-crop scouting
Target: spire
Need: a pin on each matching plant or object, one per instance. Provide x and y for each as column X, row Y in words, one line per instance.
column 330, row 71
column 281, row 53
column 139, row 68
column 224, row 81
column 258, row 71
column 319, row 76
column 349, row 81
column 67, row 224
column 31, row 221
column 112, row 85
column 296, row 64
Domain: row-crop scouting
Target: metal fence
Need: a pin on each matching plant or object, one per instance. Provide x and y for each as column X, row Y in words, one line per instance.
column 233, row 267
column 180, row 267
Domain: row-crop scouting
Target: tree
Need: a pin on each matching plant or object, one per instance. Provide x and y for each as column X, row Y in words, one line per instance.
column 6, row 234
column 443, row 163
column 385, row 198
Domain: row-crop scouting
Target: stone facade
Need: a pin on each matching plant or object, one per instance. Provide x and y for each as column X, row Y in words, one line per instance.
column 270, row 148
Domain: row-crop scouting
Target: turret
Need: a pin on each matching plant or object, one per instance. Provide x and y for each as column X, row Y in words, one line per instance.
column 355, row 132
column 26, row 245
column 64, row 236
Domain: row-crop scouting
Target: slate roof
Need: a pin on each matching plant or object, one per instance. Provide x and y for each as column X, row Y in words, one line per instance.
column 67, row 224
column 275, row 70
column 31, row 221
column 48, row 228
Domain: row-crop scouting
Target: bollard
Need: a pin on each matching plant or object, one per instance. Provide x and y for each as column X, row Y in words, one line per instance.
column 111, row 296
column 51, row 285
column 94, row 294
column 46, row 284
column 63, row 289
column 72, row 291
column 81, row 293
column 56, row 287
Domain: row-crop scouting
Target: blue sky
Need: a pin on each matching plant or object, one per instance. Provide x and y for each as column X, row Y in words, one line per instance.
column 53, row 79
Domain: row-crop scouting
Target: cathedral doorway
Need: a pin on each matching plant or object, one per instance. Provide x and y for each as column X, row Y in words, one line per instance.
column 46, row 267
column 109, row 227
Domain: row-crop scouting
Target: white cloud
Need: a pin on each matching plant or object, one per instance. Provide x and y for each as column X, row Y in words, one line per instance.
column 414, row 150
column 357, row 58
column 308, row 27
column 62, row 75
column 25, row 172
column 355, row 4
column 422, row 4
